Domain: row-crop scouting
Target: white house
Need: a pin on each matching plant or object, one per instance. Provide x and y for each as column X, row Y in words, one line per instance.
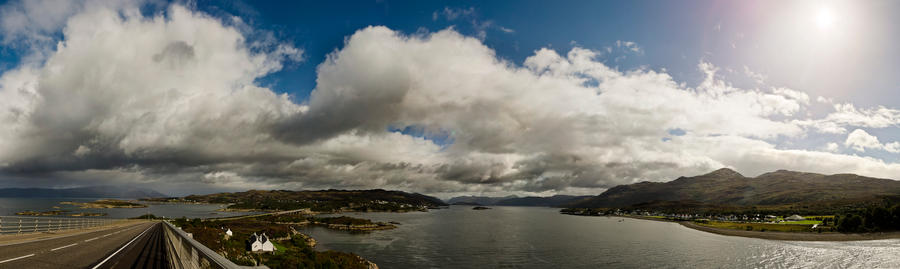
column 266, row 244
column 795, row 218
column 228, row 232
column 260, row 243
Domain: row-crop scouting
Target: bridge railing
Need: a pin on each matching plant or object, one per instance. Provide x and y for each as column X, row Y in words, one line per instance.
column 22, row 225
column 187, row 253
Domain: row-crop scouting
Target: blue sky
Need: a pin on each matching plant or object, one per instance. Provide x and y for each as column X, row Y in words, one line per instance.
column 674, row 35
column 671, row 35
column 446, row 98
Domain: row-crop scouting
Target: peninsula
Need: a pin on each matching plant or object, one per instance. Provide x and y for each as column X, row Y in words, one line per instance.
column 106, row 203
column 322, row 201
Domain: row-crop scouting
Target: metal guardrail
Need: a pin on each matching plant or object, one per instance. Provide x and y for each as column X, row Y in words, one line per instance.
column 21, row 225
column 187, row 253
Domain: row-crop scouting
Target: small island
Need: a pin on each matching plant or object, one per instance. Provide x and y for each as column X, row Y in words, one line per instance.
column 60, row 213
column 106, row 203
column 480, row 208
column 336, row 223
column 43, row 213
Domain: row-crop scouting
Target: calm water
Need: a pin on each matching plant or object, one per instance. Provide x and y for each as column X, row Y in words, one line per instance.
column 522, row 237
column 10, row 206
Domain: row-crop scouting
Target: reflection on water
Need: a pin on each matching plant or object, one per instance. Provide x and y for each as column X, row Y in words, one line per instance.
column 10, row 206
column 522, row 237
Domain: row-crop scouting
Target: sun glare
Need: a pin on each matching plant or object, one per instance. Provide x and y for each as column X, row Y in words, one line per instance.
column 824, row 19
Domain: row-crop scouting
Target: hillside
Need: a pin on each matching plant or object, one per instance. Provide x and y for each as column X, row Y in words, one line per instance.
column 552, row 201
column 725, row 187
column 512, row 200
column 82, row 192
column 322, row 201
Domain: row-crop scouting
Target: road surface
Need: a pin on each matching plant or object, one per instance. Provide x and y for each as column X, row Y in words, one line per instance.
column 133, row 246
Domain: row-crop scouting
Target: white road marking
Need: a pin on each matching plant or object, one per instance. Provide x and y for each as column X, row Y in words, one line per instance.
column 92, row 239
column 62, row 247
column 123, row 247
column 13, row 259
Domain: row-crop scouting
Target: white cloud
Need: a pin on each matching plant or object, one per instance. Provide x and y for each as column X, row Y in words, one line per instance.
column 801, row 97
column 629, row 46
column 860, row 140
column 832, row 147
column 847, row 115
column 470, row 15
column 757, row 77
column 453, row 13
column 893, row 147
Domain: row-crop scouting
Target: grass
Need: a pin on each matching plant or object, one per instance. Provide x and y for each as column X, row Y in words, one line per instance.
column 805, row 222
column 757, row 226
column 279, row 249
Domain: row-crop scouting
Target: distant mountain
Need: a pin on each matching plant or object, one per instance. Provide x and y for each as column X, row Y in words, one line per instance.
column 512, row 200
column 478, row 200
column 82, row 192
column 552, row 201
column 725, row 187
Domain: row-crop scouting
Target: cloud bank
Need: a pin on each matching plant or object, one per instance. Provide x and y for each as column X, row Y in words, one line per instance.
column 172, row 99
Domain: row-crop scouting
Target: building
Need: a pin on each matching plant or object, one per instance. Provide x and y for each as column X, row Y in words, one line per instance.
column 228, row 232
column 260, row 243
column 795, row 218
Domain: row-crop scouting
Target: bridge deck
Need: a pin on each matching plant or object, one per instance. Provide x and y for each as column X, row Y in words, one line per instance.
column 85, row 250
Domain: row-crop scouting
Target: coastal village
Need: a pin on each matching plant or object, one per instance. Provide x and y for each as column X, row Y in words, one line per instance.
column 748, row 222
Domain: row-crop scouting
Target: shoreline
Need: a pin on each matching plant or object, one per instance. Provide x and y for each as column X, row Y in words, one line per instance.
column 782, row 236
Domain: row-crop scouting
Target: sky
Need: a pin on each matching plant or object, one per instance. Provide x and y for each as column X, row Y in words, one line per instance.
column 443, row 98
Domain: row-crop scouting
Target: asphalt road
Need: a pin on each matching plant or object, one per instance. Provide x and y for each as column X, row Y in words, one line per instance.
column 147, row 251
column 90, row 249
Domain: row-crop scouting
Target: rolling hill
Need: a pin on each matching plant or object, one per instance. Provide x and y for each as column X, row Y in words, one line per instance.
column 322, row 200
column 725, row 187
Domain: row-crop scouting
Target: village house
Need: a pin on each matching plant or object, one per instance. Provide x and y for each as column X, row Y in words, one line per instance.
column 260, row 243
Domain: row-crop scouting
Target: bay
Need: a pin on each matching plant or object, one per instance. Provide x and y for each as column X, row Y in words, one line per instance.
column 531, row 237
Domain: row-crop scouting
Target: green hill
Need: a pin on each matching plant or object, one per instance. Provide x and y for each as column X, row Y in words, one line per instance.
column 727, row 188
column 322, row 200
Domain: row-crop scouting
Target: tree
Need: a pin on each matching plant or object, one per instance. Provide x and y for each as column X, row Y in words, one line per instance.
column 850, row 223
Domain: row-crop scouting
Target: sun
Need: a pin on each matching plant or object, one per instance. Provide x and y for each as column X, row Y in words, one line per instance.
column 825, row 19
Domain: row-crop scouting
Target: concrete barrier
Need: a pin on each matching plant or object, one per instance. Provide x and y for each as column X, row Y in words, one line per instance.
column 186, row 253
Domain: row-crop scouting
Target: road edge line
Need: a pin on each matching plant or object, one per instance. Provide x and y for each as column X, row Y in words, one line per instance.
column 62, row 247
column 123, row 247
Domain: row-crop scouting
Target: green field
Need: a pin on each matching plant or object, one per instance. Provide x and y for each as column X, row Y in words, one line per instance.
column 805, row 222
column 753, row 226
